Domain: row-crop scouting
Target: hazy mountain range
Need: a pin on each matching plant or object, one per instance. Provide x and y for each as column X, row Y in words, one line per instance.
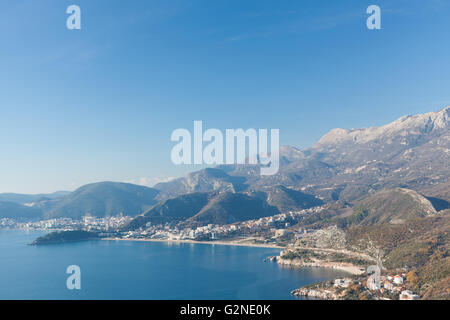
column 98, row 199
column 411, row 153
column 29, row 198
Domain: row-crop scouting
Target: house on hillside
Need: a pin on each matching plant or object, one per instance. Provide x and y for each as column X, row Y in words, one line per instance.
column 408, row 295
column 398, row 279
column 343, row 283
column 388, row 285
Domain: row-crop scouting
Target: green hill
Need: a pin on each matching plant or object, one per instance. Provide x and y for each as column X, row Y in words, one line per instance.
column 286, row 199
column 204, row 208
column 103, row 199
column 225, row 207
column 177, row 209
column 395, row 206
column 233, row 207
column 65, row 236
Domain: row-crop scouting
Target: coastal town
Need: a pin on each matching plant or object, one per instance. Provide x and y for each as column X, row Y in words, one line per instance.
column 391, row 287
column 275, row 231
column 87, row 223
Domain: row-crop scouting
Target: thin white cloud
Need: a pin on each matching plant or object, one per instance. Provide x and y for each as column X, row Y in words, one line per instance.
column 149, row 182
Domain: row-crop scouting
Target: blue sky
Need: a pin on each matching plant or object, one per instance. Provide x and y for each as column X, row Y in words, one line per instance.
column 100, row 103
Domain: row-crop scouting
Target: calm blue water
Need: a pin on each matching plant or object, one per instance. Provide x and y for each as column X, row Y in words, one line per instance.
column 145, row 270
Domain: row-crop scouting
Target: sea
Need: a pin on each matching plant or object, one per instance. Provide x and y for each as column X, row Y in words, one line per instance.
column 137, row 270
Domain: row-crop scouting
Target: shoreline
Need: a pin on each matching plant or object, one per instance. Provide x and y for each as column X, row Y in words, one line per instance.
column 351, row 269
column 221, row 243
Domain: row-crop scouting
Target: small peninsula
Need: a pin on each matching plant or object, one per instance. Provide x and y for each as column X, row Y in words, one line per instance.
column 65, row 236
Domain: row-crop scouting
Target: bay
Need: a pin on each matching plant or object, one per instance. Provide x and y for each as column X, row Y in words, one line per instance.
column 145, row 270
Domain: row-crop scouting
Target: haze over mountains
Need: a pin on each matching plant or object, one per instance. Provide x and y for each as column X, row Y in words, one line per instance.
column 104, row 199
column 412, row 152
column 97, row 199
column 29, row 198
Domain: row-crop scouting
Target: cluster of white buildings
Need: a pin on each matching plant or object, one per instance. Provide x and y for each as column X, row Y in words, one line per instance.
column 108, row 223
column 87, row 223
column 271, row 228
column 342, row 283
column 394, row 284
column 276, row 225
column 49, row 224
column 408, row 295
column 210, row 231
column 7, row 223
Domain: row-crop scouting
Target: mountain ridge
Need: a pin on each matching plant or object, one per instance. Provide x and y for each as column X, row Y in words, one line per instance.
column 223, row 207
column 412, row 152
column 428, row 121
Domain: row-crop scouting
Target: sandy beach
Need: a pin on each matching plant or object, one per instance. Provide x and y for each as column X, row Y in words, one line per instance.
column 347, row 267
column 222, row 243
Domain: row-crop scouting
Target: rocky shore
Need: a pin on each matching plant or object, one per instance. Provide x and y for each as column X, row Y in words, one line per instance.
column 347, row 267
column 315, row 293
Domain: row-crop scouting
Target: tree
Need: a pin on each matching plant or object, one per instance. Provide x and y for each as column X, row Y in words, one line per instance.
column 413, row 279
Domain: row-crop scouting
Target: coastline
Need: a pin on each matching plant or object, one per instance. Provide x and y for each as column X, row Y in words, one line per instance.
column 351, row 269
column 221, row 243
column 346, row 267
